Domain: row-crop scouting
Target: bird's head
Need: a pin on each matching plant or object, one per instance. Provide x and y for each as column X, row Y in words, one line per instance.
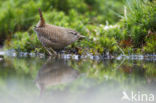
column 73, row 35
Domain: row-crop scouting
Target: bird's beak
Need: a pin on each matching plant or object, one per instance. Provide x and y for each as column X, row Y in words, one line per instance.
column 81, row 37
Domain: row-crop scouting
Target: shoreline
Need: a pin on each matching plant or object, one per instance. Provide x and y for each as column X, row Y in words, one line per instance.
column 147, row 57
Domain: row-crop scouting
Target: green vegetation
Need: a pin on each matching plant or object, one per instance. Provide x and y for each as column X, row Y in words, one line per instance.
column 139, row 21
column 132, row 24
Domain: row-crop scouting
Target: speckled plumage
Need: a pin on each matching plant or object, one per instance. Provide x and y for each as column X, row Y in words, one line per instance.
column 55, row 37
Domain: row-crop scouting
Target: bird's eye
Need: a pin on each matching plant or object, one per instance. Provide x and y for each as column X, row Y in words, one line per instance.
column 75, row 33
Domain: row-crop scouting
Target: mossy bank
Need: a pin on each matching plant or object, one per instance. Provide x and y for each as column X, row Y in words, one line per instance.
column 129, row 26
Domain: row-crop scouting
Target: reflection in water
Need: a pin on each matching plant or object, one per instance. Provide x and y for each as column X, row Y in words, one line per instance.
column 92, row 81
column 55, row 72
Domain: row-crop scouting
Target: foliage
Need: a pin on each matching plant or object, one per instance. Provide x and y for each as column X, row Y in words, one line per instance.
column 90, row 18
column 150, row 44
column 141, row 18
column 23, row 41
column 16, row 16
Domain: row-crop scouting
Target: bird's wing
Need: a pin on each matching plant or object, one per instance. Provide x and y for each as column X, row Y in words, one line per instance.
column 55, row 34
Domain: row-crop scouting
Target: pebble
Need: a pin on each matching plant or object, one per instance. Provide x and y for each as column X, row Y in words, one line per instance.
column 76, row 57
column 1, row 57
column 2, row 53
column 148, row 57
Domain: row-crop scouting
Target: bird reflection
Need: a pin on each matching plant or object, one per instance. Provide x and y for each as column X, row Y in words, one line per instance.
column 54, row 72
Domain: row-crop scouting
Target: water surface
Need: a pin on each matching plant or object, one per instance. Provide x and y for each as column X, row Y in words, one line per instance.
column 51, row 80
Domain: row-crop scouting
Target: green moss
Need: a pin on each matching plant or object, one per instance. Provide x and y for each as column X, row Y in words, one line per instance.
column 86, row 17
column 150, row 46
column 139, row 20
column 23, row 41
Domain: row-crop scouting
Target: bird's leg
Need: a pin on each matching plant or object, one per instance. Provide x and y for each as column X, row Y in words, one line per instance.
column 53, row 51
column 48, row 51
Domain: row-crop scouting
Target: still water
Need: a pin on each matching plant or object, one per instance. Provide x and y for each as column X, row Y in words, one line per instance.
column 51, row 80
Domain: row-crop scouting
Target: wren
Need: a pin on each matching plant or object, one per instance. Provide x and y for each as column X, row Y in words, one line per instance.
column 55, row 37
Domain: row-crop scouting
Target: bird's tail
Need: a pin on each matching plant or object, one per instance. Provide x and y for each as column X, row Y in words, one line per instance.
column 42, row 22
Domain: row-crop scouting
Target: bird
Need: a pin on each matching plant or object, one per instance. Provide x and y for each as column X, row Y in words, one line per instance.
column 54, row 37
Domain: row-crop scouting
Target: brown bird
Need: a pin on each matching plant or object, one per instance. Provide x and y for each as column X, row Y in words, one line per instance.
column 54, row 37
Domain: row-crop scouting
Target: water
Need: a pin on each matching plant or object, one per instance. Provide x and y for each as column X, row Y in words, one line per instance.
column 51, row 80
